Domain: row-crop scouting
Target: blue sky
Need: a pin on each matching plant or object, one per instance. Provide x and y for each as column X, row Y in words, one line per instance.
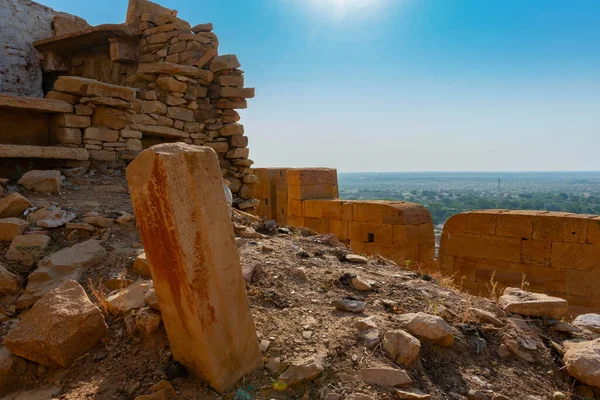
column 409, row 85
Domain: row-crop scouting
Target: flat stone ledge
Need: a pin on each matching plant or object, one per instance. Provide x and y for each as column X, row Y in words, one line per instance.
column 83, row 39
column 34, row 104
column 56, row 153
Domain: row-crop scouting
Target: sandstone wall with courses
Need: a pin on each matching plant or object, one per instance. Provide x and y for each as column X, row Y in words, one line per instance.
column 183, row 91
column 308, row 197
column 23, row 22
column 558, row 253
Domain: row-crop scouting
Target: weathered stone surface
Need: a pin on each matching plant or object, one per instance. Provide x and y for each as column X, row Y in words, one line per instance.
column 56, row 218
column 171, row 84
column 356, row 259
column 13, row 205
column 530, row 304
column 161, row 131
column 388, row 377
column 27, row 248
column 427, row 326
column 233, row 92
column 180, row 113
column 59, row 328
column 303, row 371
column 41, row 181
column 178, row 199
column 131, row 297
column 590, row 322
column 9, row 282
column 486, row 316
column 102, row 134
column 582, row 360
column 208, row 27
column 151, row 299
column 412, row 394
column 64, row 265
column 102, row 89
column 175, row 69
column 48, row 106
column 55, row 153
column 71, row 121
column 141, row 265
column 11, row 228
column 354, row 306
column 226, row 61
column 110, row 118
column 65, row 135
column 401, row 346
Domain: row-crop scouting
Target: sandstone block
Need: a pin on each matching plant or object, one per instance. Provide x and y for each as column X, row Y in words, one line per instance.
column 514, row 225
column 593, row 235
column 110, row 118
column 302, row 371
column 575, row 256
column 536, row 251
column 483, row 223
column 230, row 80
column 47, row 181
column 175, row 69
column 131, row 297
column 134, row 145
column 178, row 200
column 65, row 135
column 80, row 109
column 11, row 227
column 238, row 153
column 59, row 328
column 547, row 227
column 590, row 322
column 71, row 121
column 208, row 27
column 482, row 246
column 160, row 131
column 582, row 360
column 387, row 377
column 429, row 327
column 103, row 155
column 532, row 304
column 227, row 61
column 9, row 282
column 73, row 85
column 102, row 89
column 127, row 134
column 575, row 229
column 233, row 92
column 102, row 134
column 141, row 266
column 171, row 84
column 64, row 265
column 401, row 346
column 27, row 248
column 232, row 129
column 180, row 113
column 153, row 107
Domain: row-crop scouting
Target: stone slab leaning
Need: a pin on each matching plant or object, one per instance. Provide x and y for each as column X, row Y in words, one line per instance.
column 184, row 222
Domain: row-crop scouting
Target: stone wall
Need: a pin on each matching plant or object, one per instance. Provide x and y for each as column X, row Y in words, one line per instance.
column 308, row 197
column 555, row 253
column 24, row 22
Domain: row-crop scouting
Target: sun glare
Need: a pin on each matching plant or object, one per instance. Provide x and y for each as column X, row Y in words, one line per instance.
column 346, row 8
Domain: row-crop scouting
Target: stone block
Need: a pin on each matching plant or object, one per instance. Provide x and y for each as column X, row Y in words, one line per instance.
column 456, row 223
column 80, row 109
column 152, row 107
column 233, row 92
column 482, row 246
column 308, row 192
column 71, row 121
column 582, row 283
column 593, row 235
column 186, row 230
column 11, row 228
column 102, row 155
column 536, row 251
column 238, row 141
column 332, row 209
column 367, row 232
column 338, row 227
column 102, row 89
column 231, row 129
column 180, row 113
column 575, row 228
column 426, row 251
column 548, row 227
column 208, row 27
column 575, row 256
column 13, row 205
column 420, row 233
column 110, row 118
column 515, row 225
column 540, row 278
column 73, row 85
column 227, row 61
column 230, row 80
column 238, row 153
column 47, row 181
column 171, row 84
column 27, row 248
column 313, row 208
column 481, row 223
column 101, row 134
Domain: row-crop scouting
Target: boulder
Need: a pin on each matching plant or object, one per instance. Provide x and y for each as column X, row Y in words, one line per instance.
column 11, row 228
column 303, row 371
column 56, row 219
column 131, row 297
column 27, row 248
column 429, row 327
column 387, row 377
column 530, row 304
column 582, row 360
column 64, row 265
column 13, row 205
column 9, row 282
column 141, row 266
column 59, row 328
column 41, row 181
column 590, row 322
column 401, row 346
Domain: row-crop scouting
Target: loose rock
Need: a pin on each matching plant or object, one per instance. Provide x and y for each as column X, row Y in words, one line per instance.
column 11, row 228
column 41, row 181
column 427, row 326
column 582, row 360
column 354, row 306
column 303, row 371
column 387, row 377
column 533, row 304
column 401, row 346
column 13, row 205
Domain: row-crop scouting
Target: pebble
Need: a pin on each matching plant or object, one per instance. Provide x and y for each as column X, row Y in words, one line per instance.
column 354, row 306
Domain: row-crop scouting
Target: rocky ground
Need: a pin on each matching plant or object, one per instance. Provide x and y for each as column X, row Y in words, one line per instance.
column 330, row 325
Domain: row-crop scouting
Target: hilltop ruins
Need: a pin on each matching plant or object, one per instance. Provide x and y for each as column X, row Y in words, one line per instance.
column 142, row 257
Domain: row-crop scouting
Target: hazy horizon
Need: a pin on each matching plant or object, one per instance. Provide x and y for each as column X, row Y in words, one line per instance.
column 408, row 85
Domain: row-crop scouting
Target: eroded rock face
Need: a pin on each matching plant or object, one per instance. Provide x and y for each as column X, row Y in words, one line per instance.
column 59, row 328
column 66, row 264
column 582, row 360
column 530, row 304
column 187, row 234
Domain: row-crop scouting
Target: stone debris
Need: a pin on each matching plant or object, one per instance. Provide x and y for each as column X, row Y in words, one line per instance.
column 9, row 282
column 486, row 316
column 130, row 298
column 429, row 327
column 356, row 259
column 590, row 322
column 361, row 284
column 401, row 346
column 387, row 377
column 303, row 371
column 141, row 266
column 353, row 306
column 147, row 321
column 59, row 328
column 11, row 228
column 67, row 264
column 162, row 390
column 26, row 249
column 56, row 218
column 582, row 360
column 365, row 324
column 48, row 181
column 13, row 205
column 412, row 394
column 530, row 304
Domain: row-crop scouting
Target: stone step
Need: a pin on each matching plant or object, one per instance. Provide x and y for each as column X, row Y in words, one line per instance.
column 48, row 152
column 94, row 36
column 34, row 104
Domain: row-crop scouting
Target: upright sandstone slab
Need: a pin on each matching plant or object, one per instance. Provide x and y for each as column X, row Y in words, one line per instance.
column 183, row 217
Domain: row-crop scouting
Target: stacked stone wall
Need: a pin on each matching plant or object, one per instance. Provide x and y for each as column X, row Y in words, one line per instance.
column 399, row 231
column 550, row 252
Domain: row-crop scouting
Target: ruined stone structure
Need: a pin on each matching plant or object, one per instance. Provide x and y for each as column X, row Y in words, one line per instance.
column 113, row 90
column 188, row 237
column 554, row 253
column 399, row 231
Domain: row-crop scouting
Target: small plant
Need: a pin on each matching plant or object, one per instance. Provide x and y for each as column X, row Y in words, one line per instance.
column 493, row 287
column 467, row 317
column 99, row 293
column 407, row 263
column 524, row 283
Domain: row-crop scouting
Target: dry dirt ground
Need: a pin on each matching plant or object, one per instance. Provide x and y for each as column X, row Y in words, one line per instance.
column 294, row 283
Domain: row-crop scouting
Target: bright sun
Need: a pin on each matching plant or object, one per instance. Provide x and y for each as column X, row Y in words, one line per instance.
column 342, row 8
